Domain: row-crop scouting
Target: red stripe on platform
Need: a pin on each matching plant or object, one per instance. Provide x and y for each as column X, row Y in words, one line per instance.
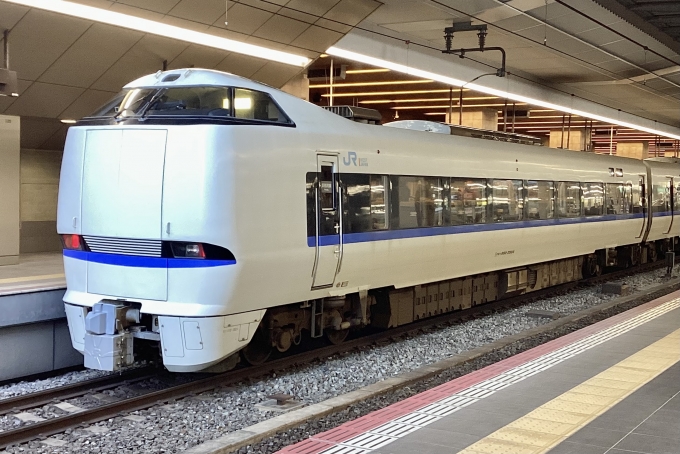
column 326, row 440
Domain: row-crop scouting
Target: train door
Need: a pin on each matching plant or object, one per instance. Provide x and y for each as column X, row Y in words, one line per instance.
column 671, row 203
column 640, row 206
column 328, row 239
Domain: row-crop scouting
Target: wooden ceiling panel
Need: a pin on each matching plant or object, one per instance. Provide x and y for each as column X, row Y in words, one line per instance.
column 245, row 19
column 351, row 12
column 39, row 39
column 159, row 6
column 315, row 7
column 198, row 57
column 281, row 29
column 143, row 58
column 240, row 64
column 317, row 38
column 10, row 14
column 208, row 12
column 276, row 74
column 44, row 100
column 91, row 56
column 86, row 104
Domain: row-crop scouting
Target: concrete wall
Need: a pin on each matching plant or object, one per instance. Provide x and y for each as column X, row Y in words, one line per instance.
column 39, row 187
column 9, row 189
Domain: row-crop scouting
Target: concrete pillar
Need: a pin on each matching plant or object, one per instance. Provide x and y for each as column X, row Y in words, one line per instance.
column 298, row 86
column 571, row 140
column 480, row 119
column 9, row 189
column 637, row 150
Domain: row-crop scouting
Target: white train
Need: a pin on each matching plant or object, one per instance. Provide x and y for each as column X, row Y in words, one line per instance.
column 203, row 214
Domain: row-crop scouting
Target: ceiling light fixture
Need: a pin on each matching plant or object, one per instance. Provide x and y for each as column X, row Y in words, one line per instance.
column 387, row 93
column 388, row 101
column 371, row 84
column 68, row 121
column 161, row 29
column 367, row 71
column 335, row 51
column 446, row 107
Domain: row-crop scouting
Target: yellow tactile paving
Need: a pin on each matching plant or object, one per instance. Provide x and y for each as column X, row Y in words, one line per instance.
column 44, row 277
column 548, row 425
column 541, row 425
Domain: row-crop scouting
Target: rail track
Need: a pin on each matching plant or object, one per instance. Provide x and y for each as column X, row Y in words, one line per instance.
column 59, row 424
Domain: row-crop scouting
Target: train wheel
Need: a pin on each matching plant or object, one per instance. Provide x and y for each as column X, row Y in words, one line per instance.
column 259, row 349
column 336, row 337
column 591, row 266
column 651, row 253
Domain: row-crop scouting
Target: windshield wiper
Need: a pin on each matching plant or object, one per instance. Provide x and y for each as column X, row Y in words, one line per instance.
column 151, row 101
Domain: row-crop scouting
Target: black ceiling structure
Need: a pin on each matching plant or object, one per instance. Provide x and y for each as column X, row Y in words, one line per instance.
column 659, row 18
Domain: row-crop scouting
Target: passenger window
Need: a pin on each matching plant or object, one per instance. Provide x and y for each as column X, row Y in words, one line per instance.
column 616, row 199
column 659, row 198
column 676, row 196
column 364, row 203
column 468, row 201
column 507, row 200
column 593, row 199
column 568, row 199
column 255, row 105
column 379, row 202
column 636, row 199
column 540, row 200
column 327, row 187
column 628, row 199
column 357, row 203
column 421, row 202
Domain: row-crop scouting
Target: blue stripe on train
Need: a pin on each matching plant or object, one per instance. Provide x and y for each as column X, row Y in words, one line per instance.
column 144, row 262
column 381, row 235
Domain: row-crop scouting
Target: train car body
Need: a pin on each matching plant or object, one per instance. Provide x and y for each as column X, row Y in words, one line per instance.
column 201, row 210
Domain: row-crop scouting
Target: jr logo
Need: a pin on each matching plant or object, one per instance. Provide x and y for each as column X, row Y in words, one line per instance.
column 352, row 158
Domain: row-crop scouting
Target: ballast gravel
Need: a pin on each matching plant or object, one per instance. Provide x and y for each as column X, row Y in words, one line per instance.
column 180, row 425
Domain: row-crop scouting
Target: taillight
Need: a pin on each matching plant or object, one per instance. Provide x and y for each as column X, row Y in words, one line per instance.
column 188, row 250
column 72, row 241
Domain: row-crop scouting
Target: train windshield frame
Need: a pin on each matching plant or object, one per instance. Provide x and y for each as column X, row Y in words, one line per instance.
column 190, row 105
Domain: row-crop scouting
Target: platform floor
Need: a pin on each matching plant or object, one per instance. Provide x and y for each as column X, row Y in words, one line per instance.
column 35, row 272
column 610, row 388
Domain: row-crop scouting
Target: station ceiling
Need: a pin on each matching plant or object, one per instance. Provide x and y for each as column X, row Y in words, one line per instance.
column 620, row 53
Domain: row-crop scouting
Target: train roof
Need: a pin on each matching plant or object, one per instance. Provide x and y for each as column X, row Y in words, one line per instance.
column 194, row 76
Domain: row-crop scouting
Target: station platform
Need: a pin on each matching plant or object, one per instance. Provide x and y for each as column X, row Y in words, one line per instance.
column 35, row 272
column 612, row 387
column 34, row 336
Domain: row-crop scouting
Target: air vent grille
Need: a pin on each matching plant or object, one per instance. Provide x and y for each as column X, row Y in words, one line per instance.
column 124, row 246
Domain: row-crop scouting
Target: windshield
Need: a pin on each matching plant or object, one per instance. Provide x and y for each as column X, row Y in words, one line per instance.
column 192, row 102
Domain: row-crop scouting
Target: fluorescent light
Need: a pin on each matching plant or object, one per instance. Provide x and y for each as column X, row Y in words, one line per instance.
column 161, row 29
column 387, row 93
column 243, row 103
column 372, row 84
column 388, row 101
column 67, row 121
column 456, row 107
column 354, row 56
column 367, row 71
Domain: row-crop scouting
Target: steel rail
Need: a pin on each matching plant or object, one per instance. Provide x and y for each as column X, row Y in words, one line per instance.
column 60, row 424
column 81, row 388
